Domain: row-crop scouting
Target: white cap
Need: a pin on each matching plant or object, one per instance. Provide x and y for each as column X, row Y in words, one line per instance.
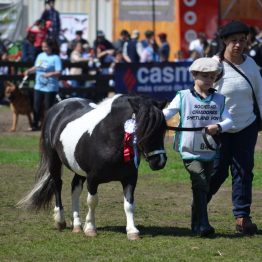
column 206, row 64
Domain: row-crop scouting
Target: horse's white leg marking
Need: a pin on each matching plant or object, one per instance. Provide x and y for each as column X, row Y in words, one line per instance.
column 75, row 209
column 90, row 226
column 132, row 231
column 59, row 218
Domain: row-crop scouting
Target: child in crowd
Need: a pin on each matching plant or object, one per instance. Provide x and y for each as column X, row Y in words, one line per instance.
column 39, row 29
column 200, row 107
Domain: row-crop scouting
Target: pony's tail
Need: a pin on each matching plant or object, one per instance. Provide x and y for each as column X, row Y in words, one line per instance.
column 43, row 191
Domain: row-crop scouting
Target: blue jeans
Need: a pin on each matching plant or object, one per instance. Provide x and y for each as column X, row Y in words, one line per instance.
column 237, row 153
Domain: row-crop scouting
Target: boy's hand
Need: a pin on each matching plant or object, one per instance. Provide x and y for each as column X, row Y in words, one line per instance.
column 212, row 129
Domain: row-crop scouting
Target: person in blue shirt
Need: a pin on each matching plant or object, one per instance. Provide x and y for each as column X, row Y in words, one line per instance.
column 164, row 48
column 199, row 107
column 48, row 67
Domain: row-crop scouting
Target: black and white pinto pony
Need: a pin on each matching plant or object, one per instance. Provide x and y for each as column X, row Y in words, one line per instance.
column 99, row 143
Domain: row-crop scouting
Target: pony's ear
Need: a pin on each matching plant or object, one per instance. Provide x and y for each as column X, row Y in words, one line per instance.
column 161, row 104
column 134, row 105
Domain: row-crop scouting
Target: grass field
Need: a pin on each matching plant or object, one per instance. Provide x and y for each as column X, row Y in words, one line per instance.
column 162, row 215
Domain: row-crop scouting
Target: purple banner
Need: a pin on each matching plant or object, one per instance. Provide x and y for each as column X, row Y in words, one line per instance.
column 158, row 80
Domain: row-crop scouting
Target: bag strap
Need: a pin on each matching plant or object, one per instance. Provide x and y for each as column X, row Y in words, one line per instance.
column 241, row 73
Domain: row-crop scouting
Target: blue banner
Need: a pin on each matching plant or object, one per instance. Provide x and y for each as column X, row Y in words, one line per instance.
column 158, row 80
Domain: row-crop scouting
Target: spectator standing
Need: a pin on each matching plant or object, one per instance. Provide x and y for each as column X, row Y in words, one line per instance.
column 198, row 159
column 132, row 49
column 164, row 48
column 238, row 144
column 193, row 56
column 39, row 29
column 78, row 38
column 150, row 48
column 28, row 48
column 118, row 59
column 254, row 48
column 75, row 57
column 3, row 71
column 2, row 45
column 148, row 35
column 179, row 56
column 199, row 44
column 259, row 35
column 51, row 14
column 214, row 46
column 124, row 37
column 64, row 52
column 48, row 68
column 104, row 49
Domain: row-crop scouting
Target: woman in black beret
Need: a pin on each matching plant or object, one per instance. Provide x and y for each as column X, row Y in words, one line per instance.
column 240, row 72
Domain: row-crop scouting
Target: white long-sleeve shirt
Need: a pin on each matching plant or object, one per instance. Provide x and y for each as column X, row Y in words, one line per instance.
column 225, row 122
column 238, row 92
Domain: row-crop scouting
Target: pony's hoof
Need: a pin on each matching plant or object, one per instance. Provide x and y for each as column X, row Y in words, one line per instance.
column 133, row 236
column 77, row 229
column 60, row 226
column 91, row 233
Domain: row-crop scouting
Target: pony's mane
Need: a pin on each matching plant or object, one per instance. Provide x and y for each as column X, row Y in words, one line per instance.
column 107, row 100
column 150, row 121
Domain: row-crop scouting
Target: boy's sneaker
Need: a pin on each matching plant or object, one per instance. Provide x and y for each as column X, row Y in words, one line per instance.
column 245, row 226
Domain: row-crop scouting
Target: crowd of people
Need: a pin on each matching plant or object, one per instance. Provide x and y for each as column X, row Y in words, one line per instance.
column 131, row 47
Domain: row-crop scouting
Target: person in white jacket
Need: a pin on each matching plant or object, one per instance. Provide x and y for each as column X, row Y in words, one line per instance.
column 199, row 107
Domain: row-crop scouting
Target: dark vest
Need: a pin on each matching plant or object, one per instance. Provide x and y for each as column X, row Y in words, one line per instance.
column 131, row 51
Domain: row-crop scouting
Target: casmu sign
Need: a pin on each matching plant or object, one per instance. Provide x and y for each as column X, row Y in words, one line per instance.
column 159, row 80
column 159, row 75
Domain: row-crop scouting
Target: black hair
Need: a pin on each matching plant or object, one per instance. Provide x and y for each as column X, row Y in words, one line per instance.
column 222, row 51
column 53, row 45
column 124, row 32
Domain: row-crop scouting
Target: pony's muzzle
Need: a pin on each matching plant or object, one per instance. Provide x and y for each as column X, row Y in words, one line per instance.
column 156, row 159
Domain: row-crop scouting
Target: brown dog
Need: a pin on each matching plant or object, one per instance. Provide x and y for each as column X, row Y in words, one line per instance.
column 19, row 103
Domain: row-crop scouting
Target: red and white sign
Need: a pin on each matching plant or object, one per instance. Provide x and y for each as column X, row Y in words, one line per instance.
column 197, row 16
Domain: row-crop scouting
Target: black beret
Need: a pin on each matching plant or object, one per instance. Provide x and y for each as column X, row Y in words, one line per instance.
column 234, row 27
column 79, row 32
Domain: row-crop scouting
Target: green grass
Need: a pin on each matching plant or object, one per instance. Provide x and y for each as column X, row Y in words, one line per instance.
column 26, row 153
column 175, row 171
column 162, row 214
column 19, row 151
